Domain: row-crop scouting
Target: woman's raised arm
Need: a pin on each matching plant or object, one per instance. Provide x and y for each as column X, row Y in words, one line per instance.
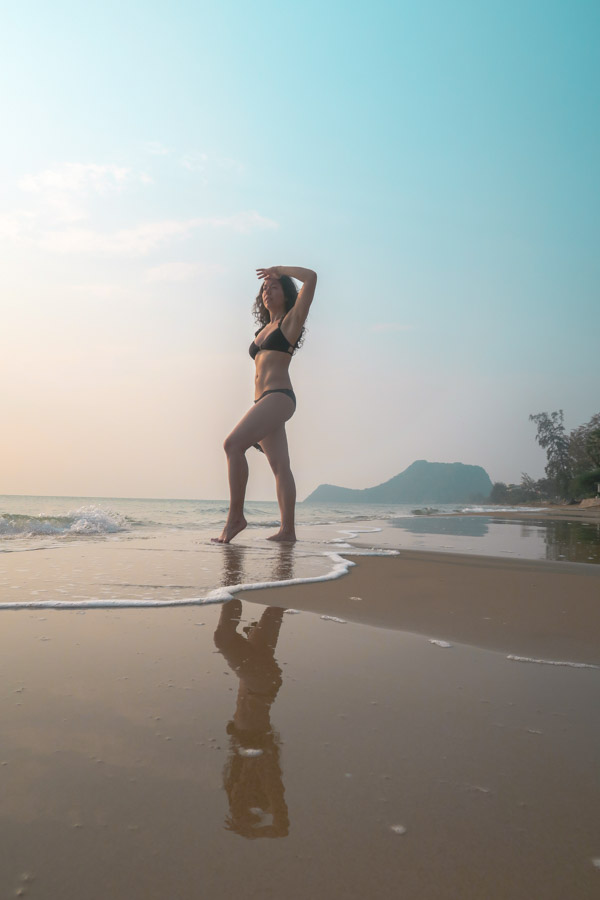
column 292, row 271
column 297, row 272
column 306, row 292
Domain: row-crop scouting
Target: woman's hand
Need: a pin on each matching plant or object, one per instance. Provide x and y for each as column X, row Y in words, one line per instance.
column 273, row 272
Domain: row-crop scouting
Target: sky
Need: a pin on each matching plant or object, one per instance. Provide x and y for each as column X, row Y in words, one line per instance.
column 435, row 163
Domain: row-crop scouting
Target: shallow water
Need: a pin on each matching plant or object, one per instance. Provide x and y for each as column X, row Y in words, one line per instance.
column 25, row 517
column 548, row 539
column 60, row 551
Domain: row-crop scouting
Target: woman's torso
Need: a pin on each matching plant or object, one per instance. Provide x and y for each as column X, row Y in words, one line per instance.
column 272, row 366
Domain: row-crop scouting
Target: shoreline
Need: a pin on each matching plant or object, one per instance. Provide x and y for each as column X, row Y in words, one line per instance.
column 589, row 514
column 513, row 606
column 344, row 554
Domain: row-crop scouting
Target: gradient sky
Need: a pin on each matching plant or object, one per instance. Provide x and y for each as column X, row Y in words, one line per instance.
column 436, row 163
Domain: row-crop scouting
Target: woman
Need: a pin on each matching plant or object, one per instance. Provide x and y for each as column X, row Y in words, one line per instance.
column 282, row 312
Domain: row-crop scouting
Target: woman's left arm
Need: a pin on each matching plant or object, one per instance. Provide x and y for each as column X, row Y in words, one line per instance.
column 296, row 272
column 306, row 292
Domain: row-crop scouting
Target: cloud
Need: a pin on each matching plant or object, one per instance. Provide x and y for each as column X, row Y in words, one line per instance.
column 203, row 163
column 391, row 326
column 127, row 241
column 105, row 291
column 58, row 204
column 195, row 162
column 15, row 224
column 61, row 190
column 181, row 271
column 78, row 178
column 144, row 238
column 156, row 148
column 244, row 222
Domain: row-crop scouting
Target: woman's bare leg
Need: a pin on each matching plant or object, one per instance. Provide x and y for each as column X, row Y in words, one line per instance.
column 237, row 468
column 268, row 415
column 286, row 497
column 275, row 447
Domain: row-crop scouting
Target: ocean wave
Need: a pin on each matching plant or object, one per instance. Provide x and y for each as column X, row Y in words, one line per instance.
column 83, row 521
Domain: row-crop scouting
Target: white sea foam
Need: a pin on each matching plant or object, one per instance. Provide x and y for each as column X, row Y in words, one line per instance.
column 480, row 509
column 439, row 643
column 335, row 619
column 85, row 520
column 552, row 662
column 356, row 531
column 249, row 752
column 341, row 567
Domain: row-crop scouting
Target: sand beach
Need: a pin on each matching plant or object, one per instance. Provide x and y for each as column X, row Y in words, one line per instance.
column 425, row 726
column 320, row 270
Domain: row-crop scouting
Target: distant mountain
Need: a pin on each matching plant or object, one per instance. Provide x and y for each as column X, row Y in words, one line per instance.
column 422, row 482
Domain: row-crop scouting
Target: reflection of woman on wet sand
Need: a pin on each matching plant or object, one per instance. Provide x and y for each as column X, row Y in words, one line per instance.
column 253, row 782
column 233, row 564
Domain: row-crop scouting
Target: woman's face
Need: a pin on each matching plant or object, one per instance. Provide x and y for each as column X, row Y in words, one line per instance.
column 272, row 294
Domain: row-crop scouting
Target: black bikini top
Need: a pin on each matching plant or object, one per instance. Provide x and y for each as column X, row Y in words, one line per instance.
column 276, row 340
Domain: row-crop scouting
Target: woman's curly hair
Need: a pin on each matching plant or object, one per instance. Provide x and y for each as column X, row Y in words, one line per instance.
column 290, row 293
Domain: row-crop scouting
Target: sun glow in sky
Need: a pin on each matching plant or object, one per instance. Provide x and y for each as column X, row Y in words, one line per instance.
column 435, row 163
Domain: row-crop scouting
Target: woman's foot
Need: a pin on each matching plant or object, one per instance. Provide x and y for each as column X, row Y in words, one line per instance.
column 231, row 529
column 283, row 536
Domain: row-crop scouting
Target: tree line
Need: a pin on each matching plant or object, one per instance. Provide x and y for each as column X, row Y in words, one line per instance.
column 573, row 463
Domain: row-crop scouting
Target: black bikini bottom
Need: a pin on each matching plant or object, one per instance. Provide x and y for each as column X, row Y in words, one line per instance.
column 275, row 391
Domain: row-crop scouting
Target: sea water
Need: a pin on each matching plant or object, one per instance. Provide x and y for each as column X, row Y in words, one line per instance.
column 34, row 516
column 83, row 552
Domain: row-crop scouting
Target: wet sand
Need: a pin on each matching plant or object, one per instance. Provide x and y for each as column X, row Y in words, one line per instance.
column 243, row 751
column 524, row 607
